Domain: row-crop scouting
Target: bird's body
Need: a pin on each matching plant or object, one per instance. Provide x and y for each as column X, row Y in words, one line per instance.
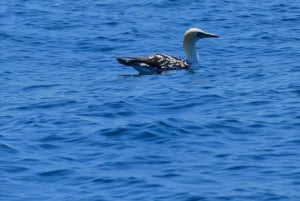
column 155, row 63
column 158, row 63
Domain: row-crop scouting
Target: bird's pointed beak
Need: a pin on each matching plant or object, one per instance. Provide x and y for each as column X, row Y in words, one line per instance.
column 210, row 35
column 207, row 35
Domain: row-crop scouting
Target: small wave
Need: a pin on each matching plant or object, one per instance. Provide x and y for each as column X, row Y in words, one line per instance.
column 58, row 174
column 46, row 105
column 7, row 149
column 40, row 87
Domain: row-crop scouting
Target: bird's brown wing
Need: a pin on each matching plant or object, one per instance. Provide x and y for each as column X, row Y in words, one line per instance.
column 161, row 61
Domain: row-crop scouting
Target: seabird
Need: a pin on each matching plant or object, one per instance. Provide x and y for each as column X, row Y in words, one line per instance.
column 158, row 63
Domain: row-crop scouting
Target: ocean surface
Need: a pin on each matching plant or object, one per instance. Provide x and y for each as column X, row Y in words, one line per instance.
column 77, row 126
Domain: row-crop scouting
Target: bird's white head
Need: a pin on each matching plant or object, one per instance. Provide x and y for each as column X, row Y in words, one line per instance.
column 191, row 36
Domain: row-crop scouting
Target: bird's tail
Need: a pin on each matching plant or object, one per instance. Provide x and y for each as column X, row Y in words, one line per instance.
column 126, row 62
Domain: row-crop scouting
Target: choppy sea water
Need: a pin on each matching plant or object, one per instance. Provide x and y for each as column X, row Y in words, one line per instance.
column 76, row 125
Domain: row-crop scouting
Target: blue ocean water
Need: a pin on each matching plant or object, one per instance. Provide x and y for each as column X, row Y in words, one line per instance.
column 76, row 125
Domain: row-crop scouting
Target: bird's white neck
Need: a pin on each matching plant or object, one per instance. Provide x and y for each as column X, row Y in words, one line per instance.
column 190, row 50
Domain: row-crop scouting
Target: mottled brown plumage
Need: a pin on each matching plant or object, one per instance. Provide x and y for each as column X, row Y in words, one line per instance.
column 156, row 62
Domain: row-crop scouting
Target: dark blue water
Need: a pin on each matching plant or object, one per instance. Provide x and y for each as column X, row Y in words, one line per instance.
column 75, row 125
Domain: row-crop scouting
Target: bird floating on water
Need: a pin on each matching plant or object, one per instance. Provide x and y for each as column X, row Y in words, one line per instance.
column 158, row 63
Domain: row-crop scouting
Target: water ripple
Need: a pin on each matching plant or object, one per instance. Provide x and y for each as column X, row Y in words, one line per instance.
column 75, row 125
